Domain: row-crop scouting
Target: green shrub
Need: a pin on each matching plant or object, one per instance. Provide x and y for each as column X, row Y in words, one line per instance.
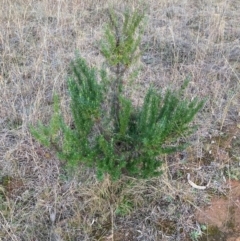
column 109, row 133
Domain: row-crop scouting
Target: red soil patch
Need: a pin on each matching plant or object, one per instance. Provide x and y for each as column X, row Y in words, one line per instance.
column 224, row 213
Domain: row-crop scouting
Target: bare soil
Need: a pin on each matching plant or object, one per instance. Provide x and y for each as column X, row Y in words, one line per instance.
column 222, row 216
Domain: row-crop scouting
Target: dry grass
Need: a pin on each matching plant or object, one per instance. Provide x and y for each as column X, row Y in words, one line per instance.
column 38, row 39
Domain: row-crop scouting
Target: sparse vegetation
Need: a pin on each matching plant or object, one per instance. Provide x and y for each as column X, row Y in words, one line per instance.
column 39, row 199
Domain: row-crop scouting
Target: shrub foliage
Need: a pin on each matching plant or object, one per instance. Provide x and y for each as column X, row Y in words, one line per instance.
column 109, row 133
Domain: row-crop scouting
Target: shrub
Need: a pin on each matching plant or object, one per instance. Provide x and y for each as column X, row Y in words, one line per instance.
column 109, row 133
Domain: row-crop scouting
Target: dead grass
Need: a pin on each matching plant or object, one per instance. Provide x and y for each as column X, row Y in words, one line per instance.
column 38, row 39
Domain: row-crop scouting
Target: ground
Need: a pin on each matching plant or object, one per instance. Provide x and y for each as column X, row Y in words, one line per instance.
column 39, row 200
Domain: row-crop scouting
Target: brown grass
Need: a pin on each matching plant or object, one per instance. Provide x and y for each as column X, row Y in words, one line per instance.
column 38, row 39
